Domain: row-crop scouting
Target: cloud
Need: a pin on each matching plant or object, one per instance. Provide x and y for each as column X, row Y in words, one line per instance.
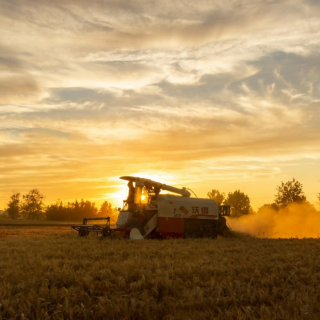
column 36, row 133
column 18, row 89
column 103, row 25
column 230, row 106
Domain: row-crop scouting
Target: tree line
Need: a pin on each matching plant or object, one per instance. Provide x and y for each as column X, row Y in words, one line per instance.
column 287, row 193
column 30, row 206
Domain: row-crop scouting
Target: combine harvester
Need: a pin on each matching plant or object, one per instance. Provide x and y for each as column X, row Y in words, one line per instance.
column 148, row 214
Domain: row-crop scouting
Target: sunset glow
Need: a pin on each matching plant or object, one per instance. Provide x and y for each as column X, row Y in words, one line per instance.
column 203, row 95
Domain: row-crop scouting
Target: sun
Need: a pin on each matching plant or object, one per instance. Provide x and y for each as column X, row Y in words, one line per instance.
column 117, row 197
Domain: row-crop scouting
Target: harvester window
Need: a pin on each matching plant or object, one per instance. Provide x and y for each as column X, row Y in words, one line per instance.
column 144, row 195
column 138, row 195
column 125, row 206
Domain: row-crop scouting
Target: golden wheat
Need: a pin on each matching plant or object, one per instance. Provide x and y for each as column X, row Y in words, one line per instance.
column 65, row 277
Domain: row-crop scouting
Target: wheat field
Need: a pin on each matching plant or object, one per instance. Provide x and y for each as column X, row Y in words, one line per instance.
column 60, row 276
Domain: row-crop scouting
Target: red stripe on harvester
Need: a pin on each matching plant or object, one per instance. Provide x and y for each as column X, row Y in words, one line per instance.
column 201, row 215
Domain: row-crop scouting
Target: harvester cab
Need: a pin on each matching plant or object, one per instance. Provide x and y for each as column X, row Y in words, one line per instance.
column 148, row 214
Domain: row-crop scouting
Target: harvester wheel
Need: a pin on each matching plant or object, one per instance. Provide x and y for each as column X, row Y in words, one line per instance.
column 106, row 233
column 214, row 233
column 210, row 232
column 137, row 225
column 222, row 225
column 83, row 232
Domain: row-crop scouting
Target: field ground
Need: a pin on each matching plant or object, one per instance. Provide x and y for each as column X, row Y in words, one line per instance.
column 25, row 228
column 56, row 275
column 33, row 223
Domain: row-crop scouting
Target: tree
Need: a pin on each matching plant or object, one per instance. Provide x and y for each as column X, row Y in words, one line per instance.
column 88, row 208
column 289, row 192
column 216, row 196
column 272, row 206
column 32, row 205
column 318, row 196
column 71, row 211
column 106, row 210
column 82, row 209
column 58, row 211
column 240, row 203
column 13, row 209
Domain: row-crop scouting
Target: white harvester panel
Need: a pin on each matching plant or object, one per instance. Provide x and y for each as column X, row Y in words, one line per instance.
column 123, row 218
column 187, row 208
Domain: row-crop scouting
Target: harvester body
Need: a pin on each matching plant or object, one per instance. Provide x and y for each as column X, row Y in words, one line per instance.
column 158, row 215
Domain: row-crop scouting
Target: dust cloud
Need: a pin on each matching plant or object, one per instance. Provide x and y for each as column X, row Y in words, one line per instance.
column 296, row 221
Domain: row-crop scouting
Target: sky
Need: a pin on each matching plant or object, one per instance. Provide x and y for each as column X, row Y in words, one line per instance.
column 202, row 94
